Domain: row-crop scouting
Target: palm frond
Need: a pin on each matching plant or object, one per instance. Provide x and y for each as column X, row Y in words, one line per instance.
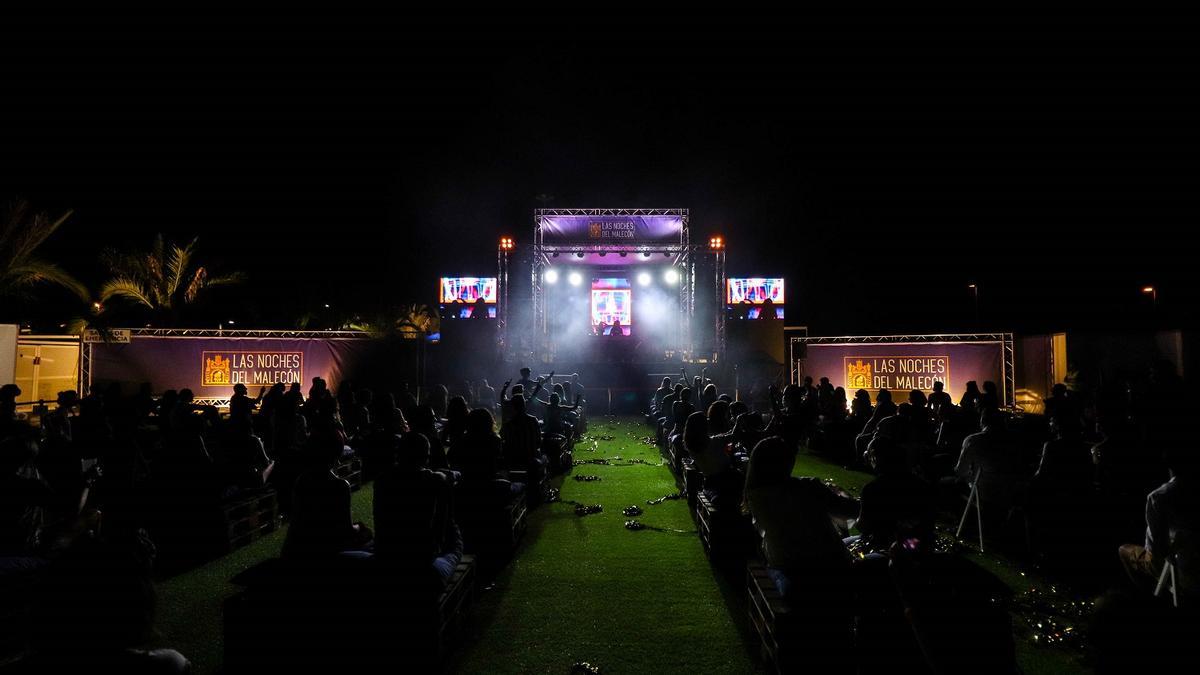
column 177, row 268
column 126, row 288
column 33, row 271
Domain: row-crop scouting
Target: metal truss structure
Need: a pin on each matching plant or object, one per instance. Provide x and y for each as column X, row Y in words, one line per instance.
column 682, row 255
column 719, row 311
column 1005, row 339
column 503, row 256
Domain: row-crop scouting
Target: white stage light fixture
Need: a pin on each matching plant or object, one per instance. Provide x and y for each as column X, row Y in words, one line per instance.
column 671, row 277
column 575, row 278
column 644, row 279
column 551, row 276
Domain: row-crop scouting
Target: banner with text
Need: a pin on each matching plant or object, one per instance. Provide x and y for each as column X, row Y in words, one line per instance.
column 902, row 367
column 612, row 229
column 211, row 366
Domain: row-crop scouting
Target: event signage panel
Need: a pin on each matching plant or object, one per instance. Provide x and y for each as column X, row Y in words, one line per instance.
column 222, row 369
column 902, row 367
column 121, row 335
column 577, row 229
column 211, row 366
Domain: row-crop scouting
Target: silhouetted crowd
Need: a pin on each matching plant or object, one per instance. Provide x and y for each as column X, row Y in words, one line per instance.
column 872, row 579
column 110, row 491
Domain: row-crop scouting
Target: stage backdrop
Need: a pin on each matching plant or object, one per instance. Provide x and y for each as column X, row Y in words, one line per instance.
column 210, row 366
column 664, row 229
column 901, row 367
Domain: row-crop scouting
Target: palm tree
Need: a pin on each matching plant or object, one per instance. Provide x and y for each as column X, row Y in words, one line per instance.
column 20, row 268
column 410, row 321
column 164, row 279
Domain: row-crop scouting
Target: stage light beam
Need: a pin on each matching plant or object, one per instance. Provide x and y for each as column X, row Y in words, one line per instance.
column 644, row 279
column 671, row 277
column 575, row 278
column 551, row 276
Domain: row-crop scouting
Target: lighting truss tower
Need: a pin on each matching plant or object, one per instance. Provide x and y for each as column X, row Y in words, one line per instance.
column 503, row 254
column 716, row 245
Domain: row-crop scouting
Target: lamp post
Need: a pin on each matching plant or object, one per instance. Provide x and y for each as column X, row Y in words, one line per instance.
column 975, row 297
column 1153, row 293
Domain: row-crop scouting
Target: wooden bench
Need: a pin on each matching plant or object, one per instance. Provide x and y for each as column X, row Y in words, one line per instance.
column 249, row 517
column 725, row 533
column 351, row 470
column 453, row 603
column 495, row 532
column 769, row 616
column 351, row 612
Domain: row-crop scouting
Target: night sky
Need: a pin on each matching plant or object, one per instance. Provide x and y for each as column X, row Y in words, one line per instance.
column 879, row 163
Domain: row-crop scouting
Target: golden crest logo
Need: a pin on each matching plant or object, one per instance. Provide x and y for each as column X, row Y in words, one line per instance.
column 595, row 231
column 216, row 371
column 858, row 375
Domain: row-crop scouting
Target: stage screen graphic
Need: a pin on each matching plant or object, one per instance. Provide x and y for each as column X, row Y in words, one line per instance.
column 612, row 300
column 754, row 291
column 757, row 313
column 467, row 290
column 612, row 229
column 465, row 312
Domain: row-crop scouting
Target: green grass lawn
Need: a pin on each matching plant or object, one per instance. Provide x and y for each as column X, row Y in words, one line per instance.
column 580, row 588
column 584, row 588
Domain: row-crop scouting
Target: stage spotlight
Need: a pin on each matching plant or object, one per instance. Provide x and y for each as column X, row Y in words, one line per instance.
column 671, row 277
column 646, row 254
column 575, row 278
column 644, row 279
column 554, row 255
column 579, row 254
column 551, row 276
column 623, row 254
column 506, row 244
column 603, row 253
column 666, row 254
column 716, row 243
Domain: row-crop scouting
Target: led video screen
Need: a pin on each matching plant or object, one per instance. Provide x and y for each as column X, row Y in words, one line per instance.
column 754, row 291
column 467, row 290
column 612, row 301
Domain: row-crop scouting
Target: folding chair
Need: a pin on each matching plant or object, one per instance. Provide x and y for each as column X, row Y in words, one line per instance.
column 1168, row 571
column 973, row 498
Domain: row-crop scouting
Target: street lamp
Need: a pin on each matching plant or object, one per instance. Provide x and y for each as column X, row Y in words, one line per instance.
column 1153, row 293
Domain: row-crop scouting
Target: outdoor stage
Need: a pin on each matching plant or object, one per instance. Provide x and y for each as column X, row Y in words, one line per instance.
column 611, row 286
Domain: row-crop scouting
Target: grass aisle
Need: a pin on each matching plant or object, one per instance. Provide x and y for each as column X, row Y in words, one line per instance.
column 583, row 588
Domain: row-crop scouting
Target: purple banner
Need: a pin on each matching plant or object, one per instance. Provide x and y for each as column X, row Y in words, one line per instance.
column 901, row 367
column 211, row 366
column 612, row 229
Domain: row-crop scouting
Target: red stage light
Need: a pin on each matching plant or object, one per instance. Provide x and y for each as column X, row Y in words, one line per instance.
column 507, row 244
column 716, row 243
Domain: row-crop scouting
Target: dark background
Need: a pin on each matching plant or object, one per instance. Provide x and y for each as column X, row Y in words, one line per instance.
column 879, row 163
